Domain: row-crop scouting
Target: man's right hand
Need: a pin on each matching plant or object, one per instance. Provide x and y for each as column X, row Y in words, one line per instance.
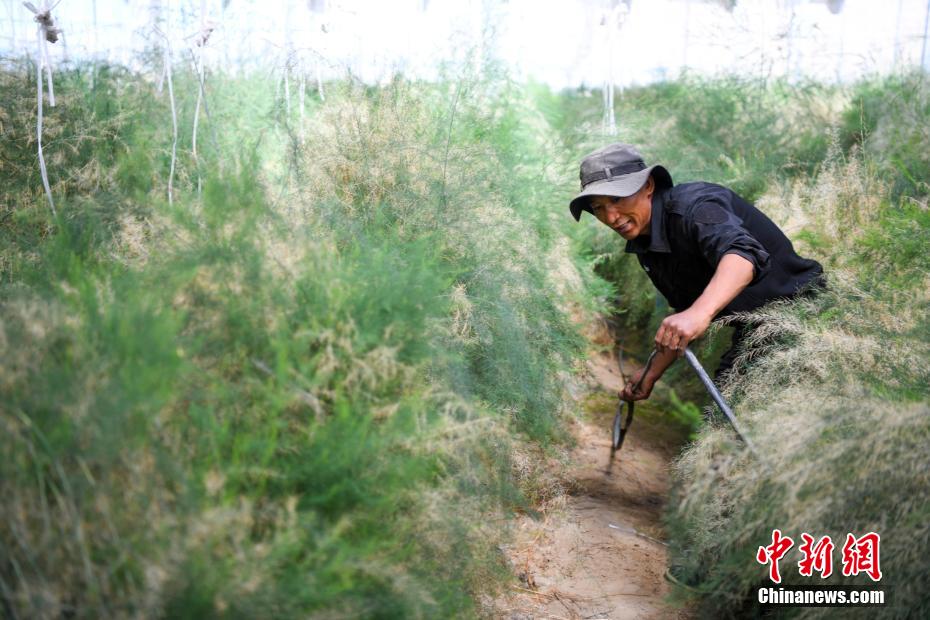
column 645, row 389
column 660, row 363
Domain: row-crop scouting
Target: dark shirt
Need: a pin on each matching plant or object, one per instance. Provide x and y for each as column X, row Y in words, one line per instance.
column 694, row 225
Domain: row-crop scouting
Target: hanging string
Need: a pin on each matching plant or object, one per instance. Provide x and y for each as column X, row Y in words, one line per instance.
column 303, row 87
column 319, row 81
column 166, row 76
column 206, row 29
column 203, row 98
column 174, row 121
column 47, row 32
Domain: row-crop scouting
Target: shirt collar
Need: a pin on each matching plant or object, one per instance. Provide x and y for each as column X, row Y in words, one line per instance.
column 657, row 241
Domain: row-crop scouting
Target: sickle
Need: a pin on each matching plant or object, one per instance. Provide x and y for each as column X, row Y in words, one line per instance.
column 619, row 432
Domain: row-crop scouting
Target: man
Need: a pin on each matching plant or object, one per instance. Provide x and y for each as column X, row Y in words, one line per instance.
column 708, row 251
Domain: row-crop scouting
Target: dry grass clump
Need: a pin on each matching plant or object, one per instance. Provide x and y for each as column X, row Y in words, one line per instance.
column 833, row 211
column 542, row 478
column 427, row 165
column 74, row 495
column 887, row 118
column 370, row 156
column 74, row 135
column 834, row 392
column 95, row 449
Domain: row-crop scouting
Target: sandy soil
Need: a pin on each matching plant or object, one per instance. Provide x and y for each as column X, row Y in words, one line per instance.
column 602, row 555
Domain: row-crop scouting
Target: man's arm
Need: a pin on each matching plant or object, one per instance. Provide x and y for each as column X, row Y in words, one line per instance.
column 659, row 364
column 733, row 274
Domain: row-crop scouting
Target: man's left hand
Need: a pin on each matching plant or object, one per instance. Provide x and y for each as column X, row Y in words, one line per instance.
column 678, row 330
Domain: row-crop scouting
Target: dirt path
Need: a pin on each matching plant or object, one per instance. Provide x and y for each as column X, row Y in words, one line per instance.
column 600, row 556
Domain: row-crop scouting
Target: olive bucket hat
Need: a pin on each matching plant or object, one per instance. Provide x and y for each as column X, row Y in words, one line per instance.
column 614, row 170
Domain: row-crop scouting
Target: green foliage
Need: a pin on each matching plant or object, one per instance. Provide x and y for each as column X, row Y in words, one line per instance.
column 738, row 132
column 300, row 389
column 836, row 390
column 685, row 412
column 305, row 379
column 887, row 119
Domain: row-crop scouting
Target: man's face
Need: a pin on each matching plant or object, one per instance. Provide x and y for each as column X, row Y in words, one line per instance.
column 628, row 216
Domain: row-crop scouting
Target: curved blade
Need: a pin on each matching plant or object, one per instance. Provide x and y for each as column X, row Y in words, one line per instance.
column 619, row 429
column 617, row 434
